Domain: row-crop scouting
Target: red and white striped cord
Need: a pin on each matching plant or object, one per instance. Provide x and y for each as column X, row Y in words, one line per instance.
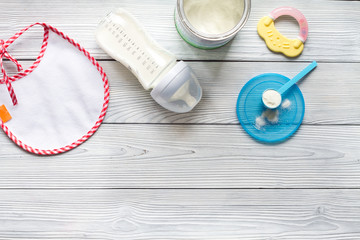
column 30, row 69
column 41, row 54
column 4, row 53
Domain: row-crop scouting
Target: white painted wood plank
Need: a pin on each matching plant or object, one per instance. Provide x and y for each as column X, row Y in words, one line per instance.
column 331, row 93
column 195, row 156
column 180, row 214
column 333, row 25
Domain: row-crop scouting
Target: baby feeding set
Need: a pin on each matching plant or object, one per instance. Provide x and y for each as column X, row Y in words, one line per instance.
column 61, row 100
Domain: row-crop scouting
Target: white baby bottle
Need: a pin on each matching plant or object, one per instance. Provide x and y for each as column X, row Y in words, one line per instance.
column 174, row 85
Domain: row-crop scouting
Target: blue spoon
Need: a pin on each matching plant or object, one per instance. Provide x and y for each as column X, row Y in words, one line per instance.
column 272, row 98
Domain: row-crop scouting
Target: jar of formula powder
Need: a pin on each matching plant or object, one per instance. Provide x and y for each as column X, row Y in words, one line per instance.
column 209, row 24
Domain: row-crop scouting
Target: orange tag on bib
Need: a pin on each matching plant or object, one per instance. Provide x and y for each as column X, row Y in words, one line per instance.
column 4, row 114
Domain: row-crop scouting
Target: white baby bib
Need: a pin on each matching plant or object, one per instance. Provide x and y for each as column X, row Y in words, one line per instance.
column 57, row 103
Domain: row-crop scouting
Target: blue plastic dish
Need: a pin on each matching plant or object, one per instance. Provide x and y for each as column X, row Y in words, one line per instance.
column 249, row 107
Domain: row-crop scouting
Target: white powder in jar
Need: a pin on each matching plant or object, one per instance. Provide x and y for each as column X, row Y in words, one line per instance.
column 214, row 16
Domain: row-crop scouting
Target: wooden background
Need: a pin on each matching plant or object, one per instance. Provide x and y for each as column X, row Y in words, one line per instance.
column 152, row 174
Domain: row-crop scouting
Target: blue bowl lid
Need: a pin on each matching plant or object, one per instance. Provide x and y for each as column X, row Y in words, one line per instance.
column 270, row 125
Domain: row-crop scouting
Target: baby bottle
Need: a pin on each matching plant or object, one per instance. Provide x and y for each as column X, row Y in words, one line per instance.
column 174, row 85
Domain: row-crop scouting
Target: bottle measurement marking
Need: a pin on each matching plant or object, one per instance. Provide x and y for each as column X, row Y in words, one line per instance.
column 129, row 44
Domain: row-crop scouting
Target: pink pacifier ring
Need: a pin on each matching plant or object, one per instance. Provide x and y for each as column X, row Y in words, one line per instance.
column 293, row 12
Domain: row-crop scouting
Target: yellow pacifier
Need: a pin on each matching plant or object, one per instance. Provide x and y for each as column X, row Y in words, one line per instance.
column 275, row 40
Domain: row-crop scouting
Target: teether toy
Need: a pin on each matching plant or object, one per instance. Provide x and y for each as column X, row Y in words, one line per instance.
column 275, row 40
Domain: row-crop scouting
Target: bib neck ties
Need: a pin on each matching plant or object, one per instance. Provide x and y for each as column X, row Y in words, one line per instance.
column 5, row 80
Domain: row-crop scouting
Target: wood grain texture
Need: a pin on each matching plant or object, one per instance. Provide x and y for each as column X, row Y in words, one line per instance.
column 190, row 156
column 331, row 95
column 333, row 27
column 152, row 174
column 180, row 214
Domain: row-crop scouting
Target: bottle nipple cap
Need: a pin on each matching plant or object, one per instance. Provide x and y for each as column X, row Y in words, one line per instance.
column 179, row 91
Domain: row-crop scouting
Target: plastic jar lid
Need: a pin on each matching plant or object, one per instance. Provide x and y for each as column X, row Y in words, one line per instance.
column 249, row 108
